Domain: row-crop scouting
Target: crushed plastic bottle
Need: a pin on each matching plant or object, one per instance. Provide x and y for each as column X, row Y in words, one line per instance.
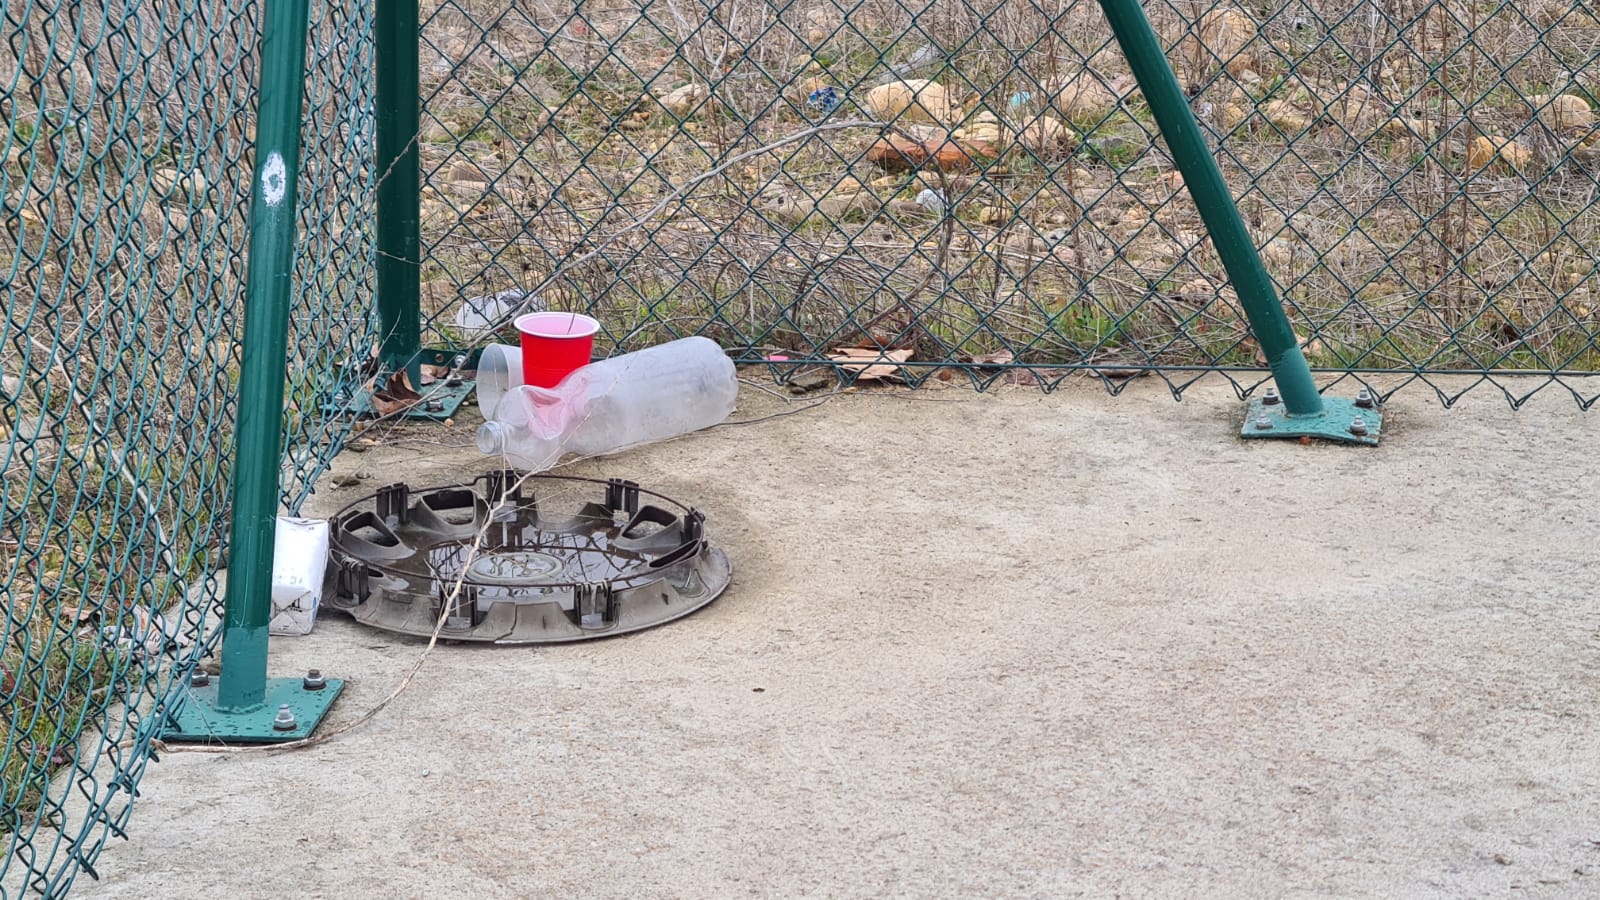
column 622, row 402
column 824, row 100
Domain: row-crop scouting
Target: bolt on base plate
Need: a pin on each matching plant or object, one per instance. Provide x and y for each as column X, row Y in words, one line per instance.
column 1358, row 421
column 197, row 719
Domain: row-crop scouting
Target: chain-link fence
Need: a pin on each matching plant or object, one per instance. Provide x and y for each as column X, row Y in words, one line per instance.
column 127, row 138
column 963, row 187
column 1419, row 176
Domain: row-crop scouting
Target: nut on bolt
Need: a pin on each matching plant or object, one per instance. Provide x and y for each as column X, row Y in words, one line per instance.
column 199, row 678
column 434, row 406
column 284, row 720
column 1271, row 398
column 1263, row 423
column 1358, row 426
column 314, row 680
column 1364, row 399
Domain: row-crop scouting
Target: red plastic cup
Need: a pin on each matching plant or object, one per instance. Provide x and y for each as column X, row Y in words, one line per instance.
column 554, row 345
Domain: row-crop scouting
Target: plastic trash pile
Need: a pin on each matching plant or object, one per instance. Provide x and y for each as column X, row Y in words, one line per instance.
column 601, row 408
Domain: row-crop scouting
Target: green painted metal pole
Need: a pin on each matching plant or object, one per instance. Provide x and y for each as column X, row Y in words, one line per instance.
column 268, row 289
column 399, row 233
column 1204, row 179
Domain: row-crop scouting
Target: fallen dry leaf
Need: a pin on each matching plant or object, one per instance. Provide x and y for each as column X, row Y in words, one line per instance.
column 997, row 358
column 871, row 364
column 396, row 397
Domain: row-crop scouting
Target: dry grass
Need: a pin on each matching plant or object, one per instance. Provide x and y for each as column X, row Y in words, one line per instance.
column 1344, row 129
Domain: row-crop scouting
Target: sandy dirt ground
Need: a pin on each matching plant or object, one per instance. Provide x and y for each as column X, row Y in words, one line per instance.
column 982, row 645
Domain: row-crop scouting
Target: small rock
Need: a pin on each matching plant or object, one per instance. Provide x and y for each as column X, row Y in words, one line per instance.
column 915, row 100
column 1048, row 137
column 347, row 480
column 991, row 215
column 983, row 130
column 808, row 382
column 909, row 208
column 1502, row 153
column 1502, row 859
column 849, row 200
column 1405, row 127
column 1285, row 116
column 684, row 100
column 1563, row 112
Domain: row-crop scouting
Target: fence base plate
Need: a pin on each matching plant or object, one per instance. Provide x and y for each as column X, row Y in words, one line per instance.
column 199, row 720
column 1332, row 425
column 441, row 400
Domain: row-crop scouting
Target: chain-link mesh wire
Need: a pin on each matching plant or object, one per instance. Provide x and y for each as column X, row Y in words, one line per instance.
column 124, row 191
column 971, row 187
column 1419, row 176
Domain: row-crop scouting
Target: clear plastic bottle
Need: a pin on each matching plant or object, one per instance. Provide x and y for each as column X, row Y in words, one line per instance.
column 632, row 399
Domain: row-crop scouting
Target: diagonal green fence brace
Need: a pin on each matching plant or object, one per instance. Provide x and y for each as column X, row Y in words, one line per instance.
column 1296, row 408
column 238, row 708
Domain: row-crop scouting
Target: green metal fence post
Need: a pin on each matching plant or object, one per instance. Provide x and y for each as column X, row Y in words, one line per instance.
column 1296, row 409
column 246, row 705
column 399, row 240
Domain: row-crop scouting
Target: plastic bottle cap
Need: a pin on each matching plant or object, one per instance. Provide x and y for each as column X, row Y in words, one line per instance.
column 491, row 437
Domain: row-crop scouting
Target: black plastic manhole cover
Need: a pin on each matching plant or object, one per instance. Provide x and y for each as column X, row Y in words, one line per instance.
column 522, row 560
